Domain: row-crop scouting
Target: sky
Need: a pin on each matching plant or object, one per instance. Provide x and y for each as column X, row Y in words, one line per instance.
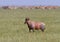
column 29, row 2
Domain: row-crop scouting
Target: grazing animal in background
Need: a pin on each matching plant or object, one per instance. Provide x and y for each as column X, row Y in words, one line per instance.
column 32, row 25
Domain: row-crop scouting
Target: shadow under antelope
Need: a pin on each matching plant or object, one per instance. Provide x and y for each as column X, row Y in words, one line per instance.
column 32, row 25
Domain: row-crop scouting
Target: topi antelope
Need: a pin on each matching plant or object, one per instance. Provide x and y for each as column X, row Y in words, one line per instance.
column 32, row 25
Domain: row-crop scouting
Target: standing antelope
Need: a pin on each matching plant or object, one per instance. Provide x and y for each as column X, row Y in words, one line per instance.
column 34, row 25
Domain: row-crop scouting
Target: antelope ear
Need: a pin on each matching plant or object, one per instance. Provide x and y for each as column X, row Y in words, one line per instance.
column 27, row 18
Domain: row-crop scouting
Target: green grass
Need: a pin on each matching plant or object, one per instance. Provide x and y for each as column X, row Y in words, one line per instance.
column 13, row 29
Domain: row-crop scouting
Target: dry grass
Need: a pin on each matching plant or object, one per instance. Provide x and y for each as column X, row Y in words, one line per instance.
column 13, row 29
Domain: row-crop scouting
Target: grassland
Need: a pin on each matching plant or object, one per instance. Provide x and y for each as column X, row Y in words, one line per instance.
column 13, row 29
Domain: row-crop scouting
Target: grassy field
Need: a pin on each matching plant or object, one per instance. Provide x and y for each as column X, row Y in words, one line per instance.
column 13, row 29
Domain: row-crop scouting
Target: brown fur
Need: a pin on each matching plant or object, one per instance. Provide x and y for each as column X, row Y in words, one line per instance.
column 34, row 25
